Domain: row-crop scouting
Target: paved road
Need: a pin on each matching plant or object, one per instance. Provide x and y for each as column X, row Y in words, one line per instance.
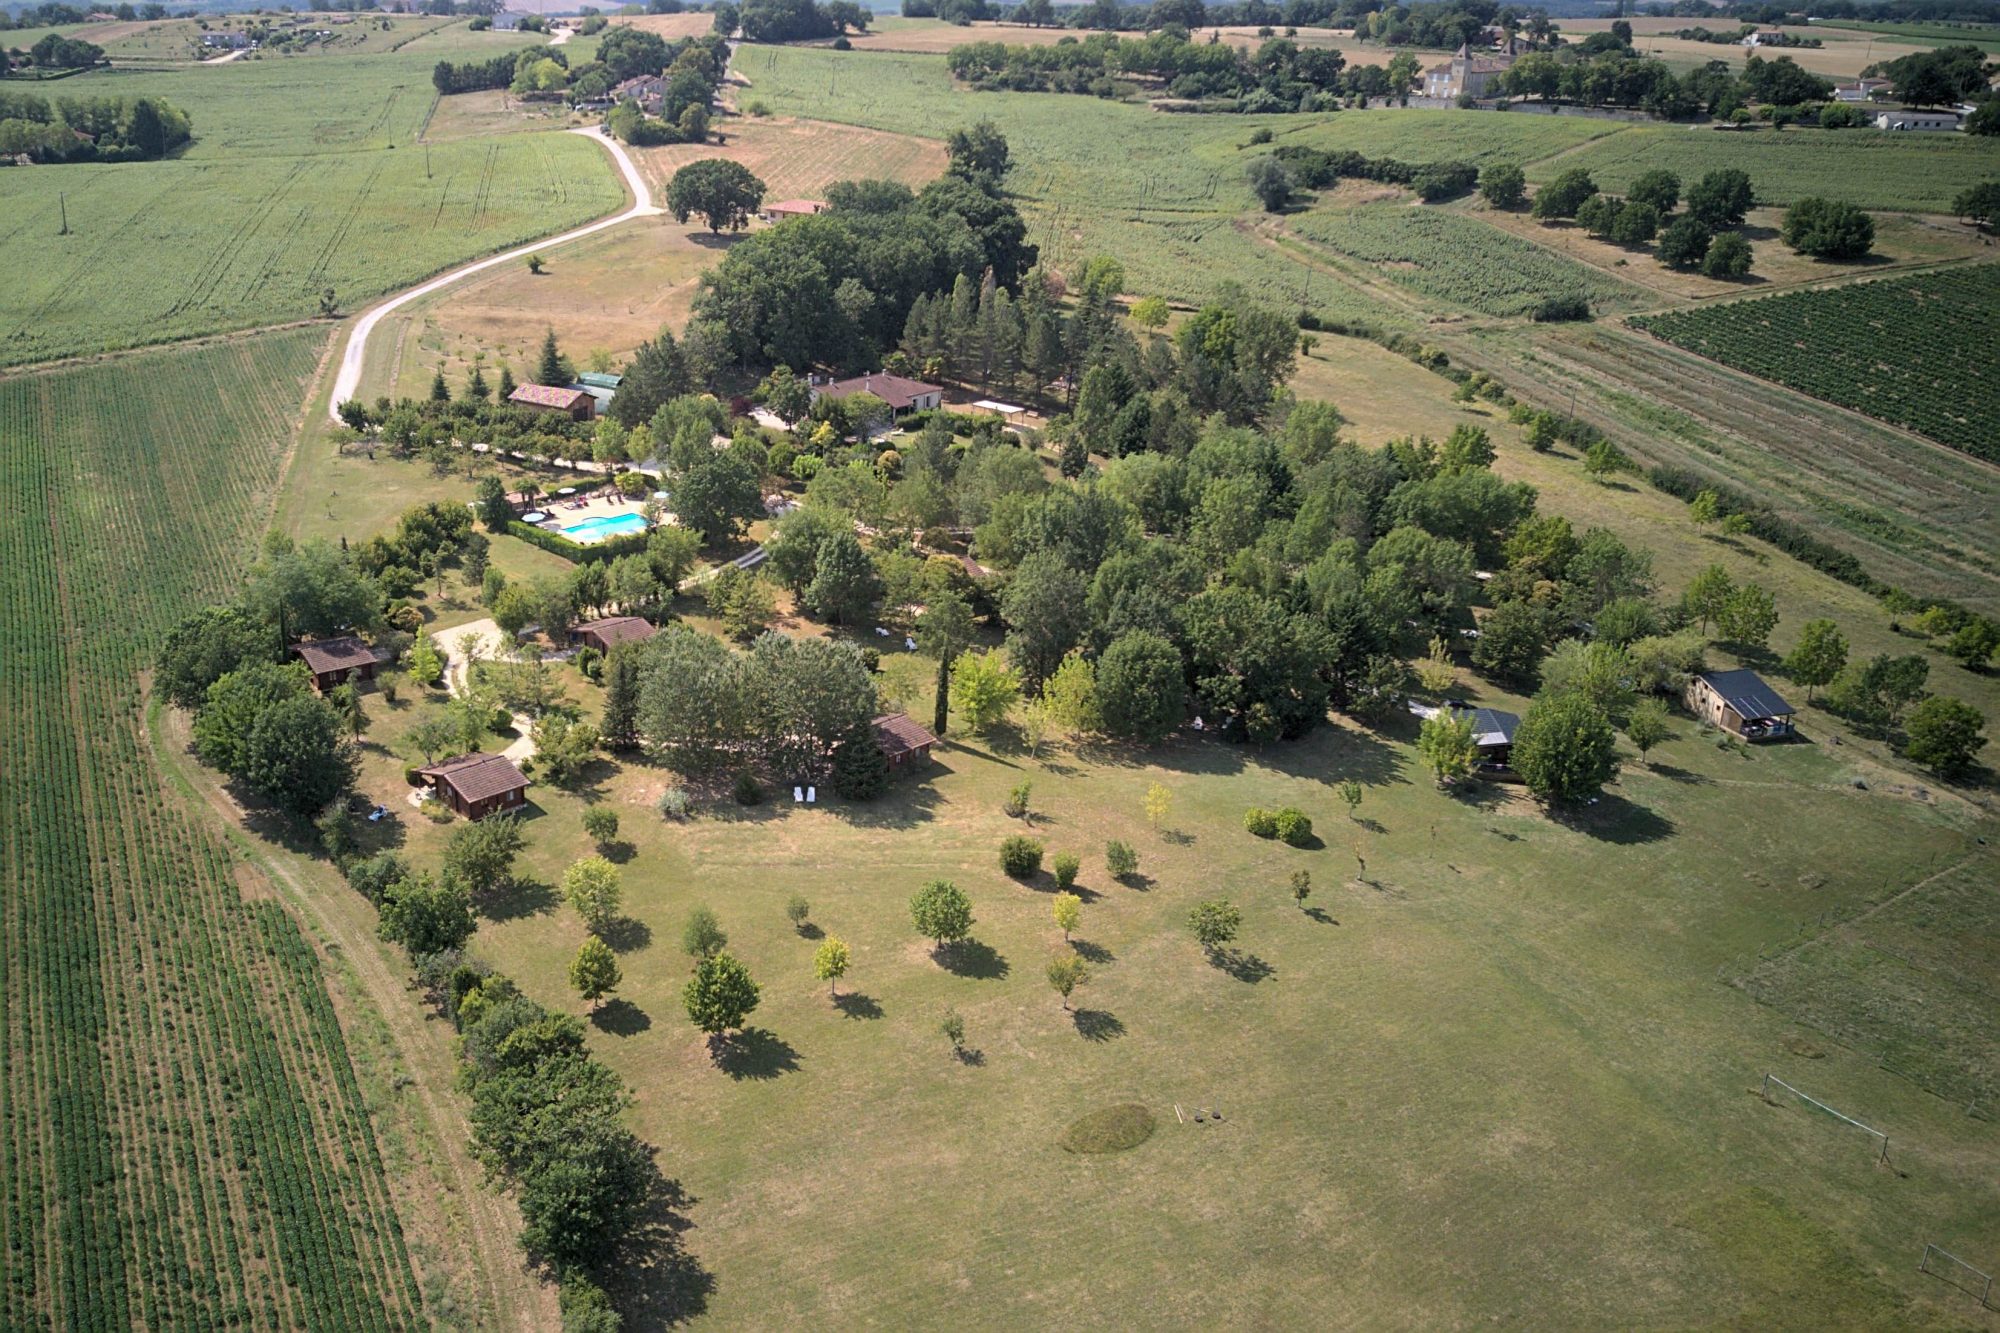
column 348, row 381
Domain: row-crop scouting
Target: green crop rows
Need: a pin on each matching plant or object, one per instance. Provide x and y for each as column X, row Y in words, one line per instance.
column 1920, row 352
column 183, row 1142
column 275, row 202
column 1459, row 260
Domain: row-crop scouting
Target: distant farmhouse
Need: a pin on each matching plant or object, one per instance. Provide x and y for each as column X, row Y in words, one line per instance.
column 791, row 208
column 1861, row 90
column 507, row 20
column 648, row 90
column 226, row 41
column 1764, row 37
column 1470, row 73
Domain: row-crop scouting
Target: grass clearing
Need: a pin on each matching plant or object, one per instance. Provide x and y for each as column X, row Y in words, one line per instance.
column 185, row 1140
column 1113, row 1129
column 1873, row 347
column 1919, row 173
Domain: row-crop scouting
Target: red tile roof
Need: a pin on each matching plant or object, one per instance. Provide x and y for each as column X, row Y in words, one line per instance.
column 344, row 654
column 897, row 734
column 477, row 777
column 543, row 395
column 897, row 392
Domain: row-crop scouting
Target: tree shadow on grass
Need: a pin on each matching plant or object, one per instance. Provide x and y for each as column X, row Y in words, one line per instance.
column 809, row 931
column 518, row 898
column 754, row 1053
column 1616, row 820
column 1320, row 915
column 625, row 934
column 971, row 1056
column 618, row 851
column 972, row 959
column 853, row 1004
column 653, row 1280
column 1092, row 953
column 1097, row 1024
column 621, row 1018
column 1245, row 967
column 1673, row 774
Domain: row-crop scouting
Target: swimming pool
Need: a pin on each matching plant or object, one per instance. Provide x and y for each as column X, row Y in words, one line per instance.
column 593, row 530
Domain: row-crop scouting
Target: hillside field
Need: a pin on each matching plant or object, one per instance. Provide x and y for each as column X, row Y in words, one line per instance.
column 305, row 174
column 183, row 1141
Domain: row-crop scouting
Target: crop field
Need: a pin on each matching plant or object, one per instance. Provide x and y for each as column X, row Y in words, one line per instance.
column 1459, row 260
column 1166, row 195
column 1874, row 347
column 177, row 40
column 183, row 1142
column 1983, row 35
column 1919, row 173
column 888, row 32
column 305, row 175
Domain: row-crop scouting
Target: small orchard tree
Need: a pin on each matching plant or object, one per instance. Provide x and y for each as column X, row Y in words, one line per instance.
column 953, row 1028
column 1120, row 859
column 1445, row 742
column 702, row 936
column 1067, row 972
column 1020, row 857
column 1159, row 801
column 593, row 973
column 1350, row 792
column 830, row 963
column 591, row 886
column 941, row 911
column 798, row 911
column 1647, row 726
column 720, row 995
column 601, row 823
column 1214, row 924
column 1064, row 866
column 1302, row 887
column 1067, row 909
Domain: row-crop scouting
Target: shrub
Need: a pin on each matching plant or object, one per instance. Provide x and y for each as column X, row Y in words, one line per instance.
column 1016, row 804
column 673, row 803
column 1263, row 823
column 748, row 791
column 1020, row 857
column 1294, row 829
column 1120, row 859
column 1065, row 866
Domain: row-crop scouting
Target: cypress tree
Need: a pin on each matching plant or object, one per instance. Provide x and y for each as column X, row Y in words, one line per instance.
column 860, row 772
column 620, row 725
column 550, row 371
column 440, row 391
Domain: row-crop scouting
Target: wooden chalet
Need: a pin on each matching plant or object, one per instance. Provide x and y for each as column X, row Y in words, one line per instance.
column 1740, row 703
column 477, row 785
column 337, row 661
column 902, row 740
column 608, row 633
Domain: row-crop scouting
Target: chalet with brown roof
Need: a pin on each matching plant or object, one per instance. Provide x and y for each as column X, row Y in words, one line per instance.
column 902, row 740
column 477, row 785
column 574, row 403
column 337, row 661
column 608, row 633
column 902, row 395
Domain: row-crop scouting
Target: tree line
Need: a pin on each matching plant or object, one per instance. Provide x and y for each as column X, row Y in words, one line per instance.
column 91, row 129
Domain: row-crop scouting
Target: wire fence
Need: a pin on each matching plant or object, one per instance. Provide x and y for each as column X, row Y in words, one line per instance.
column 1770, row 1079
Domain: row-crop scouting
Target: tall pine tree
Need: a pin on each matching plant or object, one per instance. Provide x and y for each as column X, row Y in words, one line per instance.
column 620, row 724
column 658, row 374
column 551, row 371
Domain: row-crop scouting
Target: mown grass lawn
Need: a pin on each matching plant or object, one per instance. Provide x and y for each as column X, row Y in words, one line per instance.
column 1496, row 1076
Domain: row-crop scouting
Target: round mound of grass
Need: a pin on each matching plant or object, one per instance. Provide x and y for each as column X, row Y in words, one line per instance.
column 1112, row 1129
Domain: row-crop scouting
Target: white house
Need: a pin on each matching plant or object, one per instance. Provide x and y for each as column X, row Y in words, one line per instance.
column 1861, row 90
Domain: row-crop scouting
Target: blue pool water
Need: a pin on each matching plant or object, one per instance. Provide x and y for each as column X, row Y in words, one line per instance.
column 602, row 529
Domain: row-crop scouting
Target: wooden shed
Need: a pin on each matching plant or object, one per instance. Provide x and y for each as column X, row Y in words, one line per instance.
column 1740, row 703
column 902, row 740
column 337, row 661
column 477, row 785
column 608, row 633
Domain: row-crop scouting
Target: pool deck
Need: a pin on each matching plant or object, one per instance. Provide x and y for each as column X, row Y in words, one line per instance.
column 595, row 506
